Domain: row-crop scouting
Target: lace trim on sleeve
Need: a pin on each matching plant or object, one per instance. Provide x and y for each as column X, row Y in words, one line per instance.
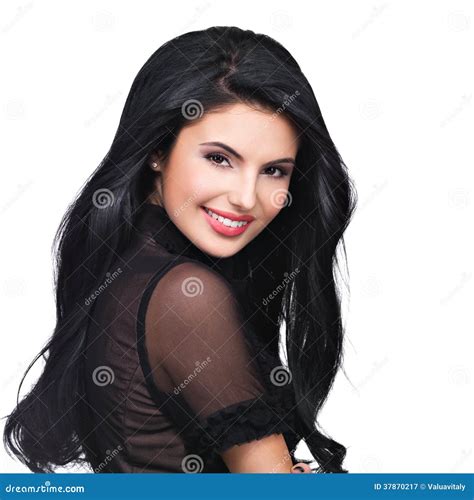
column 240, row 423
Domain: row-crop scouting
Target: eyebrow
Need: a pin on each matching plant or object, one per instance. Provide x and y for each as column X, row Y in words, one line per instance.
column 240, row 157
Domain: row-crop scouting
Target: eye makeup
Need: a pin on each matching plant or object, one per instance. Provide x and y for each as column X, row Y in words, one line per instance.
column 215, row 154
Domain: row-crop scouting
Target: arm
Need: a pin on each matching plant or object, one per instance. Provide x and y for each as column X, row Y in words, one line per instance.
column 228, row 406
column 266, row 455
column 269, row 454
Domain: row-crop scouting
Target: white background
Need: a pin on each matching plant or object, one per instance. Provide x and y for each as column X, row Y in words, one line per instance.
column 394, row 81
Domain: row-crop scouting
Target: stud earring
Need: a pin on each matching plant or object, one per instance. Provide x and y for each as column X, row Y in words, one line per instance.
column 154, row 165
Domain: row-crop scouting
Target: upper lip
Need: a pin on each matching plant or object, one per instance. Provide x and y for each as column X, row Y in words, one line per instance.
column 230, row 215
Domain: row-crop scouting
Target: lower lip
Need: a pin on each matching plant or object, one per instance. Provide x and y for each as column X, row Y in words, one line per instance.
column 225, row 230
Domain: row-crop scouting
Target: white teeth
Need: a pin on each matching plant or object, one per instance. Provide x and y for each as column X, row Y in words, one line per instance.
column 225, row 221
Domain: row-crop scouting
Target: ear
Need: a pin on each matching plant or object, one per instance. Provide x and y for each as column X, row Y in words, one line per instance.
column 155, row 162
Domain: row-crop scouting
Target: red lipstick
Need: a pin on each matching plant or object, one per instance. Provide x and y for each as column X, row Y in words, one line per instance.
column 226, row 230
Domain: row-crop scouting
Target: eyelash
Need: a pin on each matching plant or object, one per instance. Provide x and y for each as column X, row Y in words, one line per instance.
column 210, row 155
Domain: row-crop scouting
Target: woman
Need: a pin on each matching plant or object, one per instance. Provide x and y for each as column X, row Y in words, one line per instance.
column 212, row 221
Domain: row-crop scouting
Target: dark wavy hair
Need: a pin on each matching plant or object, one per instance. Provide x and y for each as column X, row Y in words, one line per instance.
column 215, row 67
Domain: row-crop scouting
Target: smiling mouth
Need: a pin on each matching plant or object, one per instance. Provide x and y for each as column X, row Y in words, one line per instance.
column 225, row 221
column 223, row 225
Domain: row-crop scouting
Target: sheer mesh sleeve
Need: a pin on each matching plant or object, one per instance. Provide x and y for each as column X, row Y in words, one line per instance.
column 202, row 356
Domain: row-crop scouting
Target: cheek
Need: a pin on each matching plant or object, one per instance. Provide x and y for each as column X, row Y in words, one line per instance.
column 205, row 182
column 186, row 181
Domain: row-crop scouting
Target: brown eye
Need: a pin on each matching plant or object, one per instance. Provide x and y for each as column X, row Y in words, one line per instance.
column 216, row 159
column 282, row 172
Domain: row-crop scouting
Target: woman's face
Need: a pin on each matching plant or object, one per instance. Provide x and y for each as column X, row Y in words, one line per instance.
column 247, row 174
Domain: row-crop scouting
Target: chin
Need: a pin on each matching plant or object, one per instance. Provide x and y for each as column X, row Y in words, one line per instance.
column 218, row 254
column 221, row 255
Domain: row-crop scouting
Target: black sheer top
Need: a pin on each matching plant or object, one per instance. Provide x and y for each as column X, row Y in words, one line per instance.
column 175, row 373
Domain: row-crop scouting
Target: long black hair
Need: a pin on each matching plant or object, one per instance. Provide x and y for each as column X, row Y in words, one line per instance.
column 292, row 263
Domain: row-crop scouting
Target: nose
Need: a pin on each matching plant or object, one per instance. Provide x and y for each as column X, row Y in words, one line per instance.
column 244, row 192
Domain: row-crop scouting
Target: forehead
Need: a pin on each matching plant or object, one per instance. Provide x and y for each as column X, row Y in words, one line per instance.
column 252, row 132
